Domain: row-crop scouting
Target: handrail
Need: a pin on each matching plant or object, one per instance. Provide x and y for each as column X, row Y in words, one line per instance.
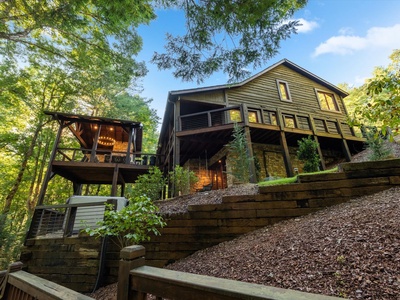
column 135, row 280
column 18, row 285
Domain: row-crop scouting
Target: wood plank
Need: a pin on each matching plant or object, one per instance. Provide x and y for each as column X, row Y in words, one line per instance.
column 180, row 285
column 41, row 288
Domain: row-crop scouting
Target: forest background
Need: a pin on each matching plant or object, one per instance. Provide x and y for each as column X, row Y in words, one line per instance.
column 79, row 57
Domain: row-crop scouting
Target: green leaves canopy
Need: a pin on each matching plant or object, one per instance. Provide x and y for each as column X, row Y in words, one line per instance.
column 227, row 35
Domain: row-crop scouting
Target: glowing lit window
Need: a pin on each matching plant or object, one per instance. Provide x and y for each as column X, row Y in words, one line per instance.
column 273, row 119
column 235, row 116
column 289, row 121
column 283, row 88
column 327, row 101
column 253, row 117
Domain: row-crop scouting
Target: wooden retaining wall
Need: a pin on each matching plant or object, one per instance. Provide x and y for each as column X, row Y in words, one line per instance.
column 207, row 225
column 73, row 262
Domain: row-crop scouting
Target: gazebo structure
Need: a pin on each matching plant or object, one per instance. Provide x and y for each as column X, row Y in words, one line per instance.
column 104, row 151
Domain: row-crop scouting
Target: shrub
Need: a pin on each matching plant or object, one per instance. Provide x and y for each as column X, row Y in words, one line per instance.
column 150, row 185
column 238, row 155
column 182, row 180
column 130, row 225
column 307, row 153
column 377, row 144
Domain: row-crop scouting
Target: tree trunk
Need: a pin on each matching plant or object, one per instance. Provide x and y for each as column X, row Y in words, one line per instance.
column 21, row 171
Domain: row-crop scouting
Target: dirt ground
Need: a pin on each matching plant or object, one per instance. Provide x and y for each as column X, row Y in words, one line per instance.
column 351, row 250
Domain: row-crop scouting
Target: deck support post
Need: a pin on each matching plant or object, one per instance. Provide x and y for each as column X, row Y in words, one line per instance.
column 131, row 257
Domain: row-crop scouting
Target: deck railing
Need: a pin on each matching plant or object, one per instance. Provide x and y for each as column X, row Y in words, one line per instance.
column 135, row 281
column 16, row 284
column 104, row 156
column 278, row 119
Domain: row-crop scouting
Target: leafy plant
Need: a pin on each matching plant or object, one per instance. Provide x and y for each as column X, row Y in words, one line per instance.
column 377, row 144
column 182, row 180
column 307, row 153
column 238, row 155
column 130, row 225
column 150, row 185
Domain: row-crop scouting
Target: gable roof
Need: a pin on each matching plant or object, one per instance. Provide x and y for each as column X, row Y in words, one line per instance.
column 174, row 94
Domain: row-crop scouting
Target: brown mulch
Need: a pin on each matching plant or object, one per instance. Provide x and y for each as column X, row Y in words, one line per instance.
column 350, row 250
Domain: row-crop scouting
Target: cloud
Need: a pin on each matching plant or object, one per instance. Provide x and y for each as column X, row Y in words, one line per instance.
column 306, row 26
column 376, row 37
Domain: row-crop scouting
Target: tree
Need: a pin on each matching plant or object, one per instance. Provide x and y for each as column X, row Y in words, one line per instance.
column 150, row 185
column 308, row 154
column 134, row 107
column 379, row 101
column 227, row 35
column 239, row 160
column 220, row 34
column 182, row 180
column 77, row 33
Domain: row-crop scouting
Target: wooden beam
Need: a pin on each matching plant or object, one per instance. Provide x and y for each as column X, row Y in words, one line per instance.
column 322, row 160
column 286, row 155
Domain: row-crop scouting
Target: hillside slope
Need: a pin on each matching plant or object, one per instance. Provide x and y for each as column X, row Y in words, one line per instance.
column 350, row 250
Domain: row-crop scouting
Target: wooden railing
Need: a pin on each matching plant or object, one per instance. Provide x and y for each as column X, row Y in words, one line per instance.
column 282, row 120
column 104, row 156
column 16, row 284
column 135, row 281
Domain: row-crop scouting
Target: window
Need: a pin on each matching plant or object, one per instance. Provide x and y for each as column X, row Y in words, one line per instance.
column 273, row 119
column 235, row 116
column 283, row 89
column 289, row 121
column 327, row 101
column 253, row 116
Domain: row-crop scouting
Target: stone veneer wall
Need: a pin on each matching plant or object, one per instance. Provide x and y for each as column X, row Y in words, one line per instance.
column 73, row 262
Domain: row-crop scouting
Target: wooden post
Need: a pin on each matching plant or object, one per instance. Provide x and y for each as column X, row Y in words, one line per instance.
column 321, row 157
column 131, row 257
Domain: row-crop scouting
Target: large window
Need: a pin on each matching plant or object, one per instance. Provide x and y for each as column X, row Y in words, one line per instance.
column 327, row 101
column 235, row 115
column 283, row 89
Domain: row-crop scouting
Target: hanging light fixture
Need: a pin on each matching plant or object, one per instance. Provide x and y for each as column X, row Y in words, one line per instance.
column 106, row 140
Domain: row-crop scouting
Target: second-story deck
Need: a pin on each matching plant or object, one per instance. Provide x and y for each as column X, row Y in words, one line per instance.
column 213, row 128
column 94, row 150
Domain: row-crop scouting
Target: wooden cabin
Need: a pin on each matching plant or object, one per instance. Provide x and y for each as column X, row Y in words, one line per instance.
column 277, row 107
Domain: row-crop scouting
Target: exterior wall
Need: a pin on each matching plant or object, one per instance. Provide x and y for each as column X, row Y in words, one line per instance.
column 72, row 262
column 211, row 97
column 198, row 166
column 263, row 92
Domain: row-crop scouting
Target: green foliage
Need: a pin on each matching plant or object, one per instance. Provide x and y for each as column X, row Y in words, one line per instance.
column 378, row 145
column 378, row 100
column 228, row 36
column 150, row 185
column 307, row 153
column 182, row 180
column 239, row 159
column 130, row 225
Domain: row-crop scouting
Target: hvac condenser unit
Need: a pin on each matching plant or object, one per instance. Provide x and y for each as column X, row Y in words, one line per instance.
column 89, row 216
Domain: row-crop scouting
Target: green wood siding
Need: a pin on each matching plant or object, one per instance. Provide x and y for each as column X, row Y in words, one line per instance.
column 263, row 92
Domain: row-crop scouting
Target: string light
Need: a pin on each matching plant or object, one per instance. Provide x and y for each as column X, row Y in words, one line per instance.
column 106, row 141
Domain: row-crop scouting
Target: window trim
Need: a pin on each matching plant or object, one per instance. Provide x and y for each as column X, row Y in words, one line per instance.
column 257, row 113
column 278, row 83
column 317, row 91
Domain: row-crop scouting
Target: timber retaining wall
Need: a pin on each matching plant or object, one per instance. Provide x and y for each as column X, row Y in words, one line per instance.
column 74, row 262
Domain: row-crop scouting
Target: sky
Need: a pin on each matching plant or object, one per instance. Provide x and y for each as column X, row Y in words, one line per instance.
column 341, row 41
